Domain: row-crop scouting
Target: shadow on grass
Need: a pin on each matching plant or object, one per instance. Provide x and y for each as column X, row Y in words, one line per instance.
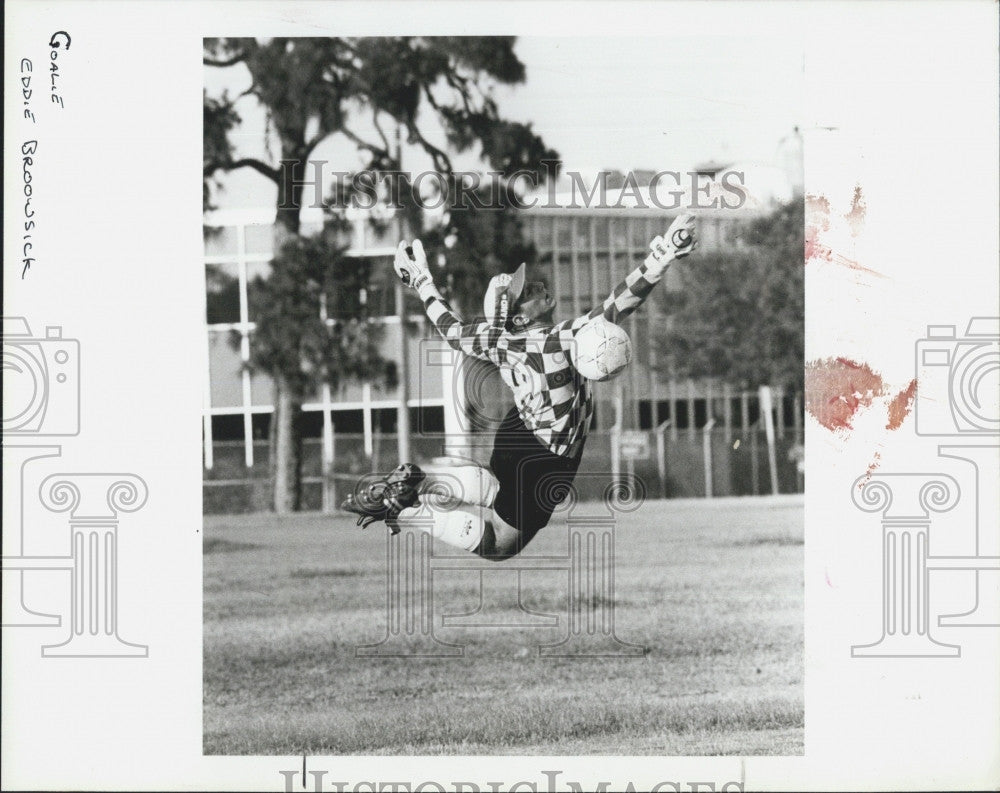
column 331, row 572
column 502, row 725
column 216, row 545
column 751, row 542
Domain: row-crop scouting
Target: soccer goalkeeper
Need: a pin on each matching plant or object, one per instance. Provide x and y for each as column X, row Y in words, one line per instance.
column 495, row 511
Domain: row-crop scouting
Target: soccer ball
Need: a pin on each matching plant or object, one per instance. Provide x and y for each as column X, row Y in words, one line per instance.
column 601, row 350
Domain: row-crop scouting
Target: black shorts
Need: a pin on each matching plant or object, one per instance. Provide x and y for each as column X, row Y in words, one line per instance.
column 533, row 480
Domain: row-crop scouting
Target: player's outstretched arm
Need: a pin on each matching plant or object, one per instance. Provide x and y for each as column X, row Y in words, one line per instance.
column 478, row 339
column 625, row 298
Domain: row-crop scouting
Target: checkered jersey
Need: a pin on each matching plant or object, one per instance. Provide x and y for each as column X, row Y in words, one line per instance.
column 553, row 400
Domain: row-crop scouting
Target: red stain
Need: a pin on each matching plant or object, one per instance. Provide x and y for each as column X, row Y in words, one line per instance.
column 814, row 249
column 817, row 221
column 837, row 387
column 901, row 406
column 852, row 264
column 818, row 213
column 856, row 217
column 872, row 467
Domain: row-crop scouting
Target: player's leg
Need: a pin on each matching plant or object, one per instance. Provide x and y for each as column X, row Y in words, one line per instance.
column 452, row 502
column 470, row 527
column 493, row 512
column 459, row 481
column 459, row 525
column 532, row 482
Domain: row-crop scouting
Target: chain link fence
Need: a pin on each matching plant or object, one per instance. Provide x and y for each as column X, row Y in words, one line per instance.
column 707, row 462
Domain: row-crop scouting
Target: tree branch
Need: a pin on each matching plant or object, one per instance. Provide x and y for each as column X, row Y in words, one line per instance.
column 378, row 128
column 363, row 144
column 442, row 163
column 237, row 58
column 247, row 162
column 463, row 90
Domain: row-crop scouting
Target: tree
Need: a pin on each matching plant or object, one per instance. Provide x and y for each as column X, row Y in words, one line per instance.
column 739, row 315
column 312, row 90
column 477, row 243
column 312, row 328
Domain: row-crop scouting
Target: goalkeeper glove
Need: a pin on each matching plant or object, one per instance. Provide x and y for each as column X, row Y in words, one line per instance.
column 411, row 264
column 678, row 242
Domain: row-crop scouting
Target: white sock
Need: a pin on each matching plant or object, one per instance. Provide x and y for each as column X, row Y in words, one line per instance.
column 464, row 484
column 460, row 526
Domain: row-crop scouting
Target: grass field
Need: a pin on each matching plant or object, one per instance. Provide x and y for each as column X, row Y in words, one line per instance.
column 712, row 589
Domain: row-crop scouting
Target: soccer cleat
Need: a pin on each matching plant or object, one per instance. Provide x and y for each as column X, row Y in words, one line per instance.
column 368, row 508
column 407, row 474
column 386, row 498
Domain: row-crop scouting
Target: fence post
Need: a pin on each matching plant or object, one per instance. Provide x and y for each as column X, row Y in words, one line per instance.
column 706, row 441
column 692, row 428
column 727, row 413
column 754, row 461
column 673, row 409
column 661, row 456
column 329, row 486
column 616, row 440
column 772, row 460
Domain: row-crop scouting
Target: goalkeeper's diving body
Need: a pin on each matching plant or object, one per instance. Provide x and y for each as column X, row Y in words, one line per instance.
column 495, row 511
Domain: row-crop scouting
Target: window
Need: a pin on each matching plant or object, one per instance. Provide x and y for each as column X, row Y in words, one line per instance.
column 600, row 268
column 222, row 293
column 543, row 226
column 261, row 390
column 427, row 420
column 257, row 273
column 221, row 241
column 618, row 232
column 348, row 422
column 228, row 428
column 700, row 413
column 623, row 265
column 261, row 426
column 312, row 423
column 581, row 232
column 566, row 280
column 601, row 231
column 682, row 421
column 385, row 420
column 639, row 238
column 259, row 238
column 564, row 231
column 225, row 369
column 345, row 295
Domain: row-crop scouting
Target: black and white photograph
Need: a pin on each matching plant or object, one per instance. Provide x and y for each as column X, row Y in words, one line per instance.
column 565, row 401
column 501, row 396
